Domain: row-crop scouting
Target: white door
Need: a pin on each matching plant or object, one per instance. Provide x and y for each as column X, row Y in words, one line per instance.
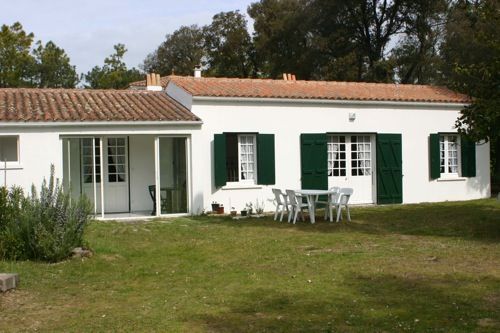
column 116, row 175
column 115, row 167
column 350, row 164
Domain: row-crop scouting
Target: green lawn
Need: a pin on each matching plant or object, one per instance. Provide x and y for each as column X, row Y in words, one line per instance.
column 416, row 268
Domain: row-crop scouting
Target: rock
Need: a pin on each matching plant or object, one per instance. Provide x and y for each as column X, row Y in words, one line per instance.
column 8, row 281
column 79, row 252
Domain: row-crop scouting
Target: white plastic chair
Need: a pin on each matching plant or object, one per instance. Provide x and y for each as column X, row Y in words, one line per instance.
column 281, row 203
column 337, row 201
column 296, row 205
column 333, row 197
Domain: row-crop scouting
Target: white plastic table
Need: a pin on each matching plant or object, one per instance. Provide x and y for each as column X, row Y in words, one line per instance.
column 311, row 196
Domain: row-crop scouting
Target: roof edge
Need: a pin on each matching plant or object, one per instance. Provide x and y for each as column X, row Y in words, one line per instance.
column 328, row 101
column 97, row 123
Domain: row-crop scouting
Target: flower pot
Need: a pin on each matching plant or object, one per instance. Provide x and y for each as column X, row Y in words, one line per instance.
column 215, row 207
column 233, row 213
column 220, row 210
column 243, row 213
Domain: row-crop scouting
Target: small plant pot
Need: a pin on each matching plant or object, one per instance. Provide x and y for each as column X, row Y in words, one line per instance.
column 220, row 210
column 215, row 208
column 243, row 213
column 234, row 213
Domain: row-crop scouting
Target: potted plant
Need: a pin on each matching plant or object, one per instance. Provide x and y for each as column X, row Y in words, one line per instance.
column 215, row 206
column 233, row 211
column 249, row 208
column 220, row 210
column 244, row 212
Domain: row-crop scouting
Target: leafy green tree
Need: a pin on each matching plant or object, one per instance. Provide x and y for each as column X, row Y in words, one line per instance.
column 229, row 47
column 53, row 68
column 471, row 64
column 16, row 62
column 281, row 38
column 179, row 54
column 114, row 74
column 416, row 56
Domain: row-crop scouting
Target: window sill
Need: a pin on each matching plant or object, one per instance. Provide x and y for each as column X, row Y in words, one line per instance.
column 451, row 179
column 11, row 166
column 241, row 186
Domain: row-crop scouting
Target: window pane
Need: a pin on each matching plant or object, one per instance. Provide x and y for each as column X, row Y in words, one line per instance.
column 8, row 149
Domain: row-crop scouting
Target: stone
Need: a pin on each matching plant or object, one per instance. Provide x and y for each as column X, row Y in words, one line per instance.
column 8, row 281
column 79, row 252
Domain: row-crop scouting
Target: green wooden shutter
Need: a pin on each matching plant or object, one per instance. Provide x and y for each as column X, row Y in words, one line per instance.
column 468, row 152
column 434, row 157
column 220, row 173
column 314, row 161
column 389, row 169
column 265, row 159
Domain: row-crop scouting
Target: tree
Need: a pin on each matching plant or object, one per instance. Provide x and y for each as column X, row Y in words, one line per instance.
column 471, row 65
column 53, row 68
column 179, row 54
column 281, row 38
column 417, row 54
column 228, row 46
column 114, row 74
column 16, row 62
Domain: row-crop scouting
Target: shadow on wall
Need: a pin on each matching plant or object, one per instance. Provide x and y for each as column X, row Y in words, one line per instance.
column 368, row 302
column 197, row 205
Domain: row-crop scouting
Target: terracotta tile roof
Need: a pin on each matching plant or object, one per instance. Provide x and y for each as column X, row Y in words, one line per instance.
column 70, row 105
column 327, row 90
column 142, row 84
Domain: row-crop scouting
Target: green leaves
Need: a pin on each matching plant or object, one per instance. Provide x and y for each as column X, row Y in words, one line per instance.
column 114, row 74
column 41, row 227
column 45, row 67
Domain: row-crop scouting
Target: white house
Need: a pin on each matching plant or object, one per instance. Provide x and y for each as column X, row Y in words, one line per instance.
column 190, row 141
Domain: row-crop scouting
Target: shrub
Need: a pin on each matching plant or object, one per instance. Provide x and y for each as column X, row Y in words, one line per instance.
column 45, row 226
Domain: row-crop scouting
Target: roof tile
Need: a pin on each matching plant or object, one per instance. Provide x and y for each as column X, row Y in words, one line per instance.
column 75, row 105
column 327, row 90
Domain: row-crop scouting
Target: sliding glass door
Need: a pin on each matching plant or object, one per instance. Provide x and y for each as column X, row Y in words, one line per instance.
column 172, row 175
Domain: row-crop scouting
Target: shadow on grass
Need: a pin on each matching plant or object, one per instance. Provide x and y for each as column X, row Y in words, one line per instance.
column 381, row 303
column 473, row 220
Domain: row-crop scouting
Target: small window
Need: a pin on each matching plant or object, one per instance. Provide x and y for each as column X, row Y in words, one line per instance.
column 336, row 156
column 9, row 151
column 116, row 160
column 448, row 152
column 88, row 161
column 361, row 156
column 241, row 158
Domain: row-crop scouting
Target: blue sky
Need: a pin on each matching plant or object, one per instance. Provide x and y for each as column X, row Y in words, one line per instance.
column 88, row 29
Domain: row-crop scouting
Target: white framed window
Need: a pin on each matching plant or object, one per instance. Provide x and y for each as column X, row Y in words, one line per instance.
column 117, row 160
column 241, row 158
column 349, row 155
column 9, row 148
column 88, row 167
column 361, row 158
column 449, row 156
column 336, row 156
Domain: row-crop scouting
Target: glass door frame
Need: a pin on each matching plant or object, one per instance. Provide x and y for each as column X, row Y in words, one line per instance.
column 157, row 172
column 101, row 166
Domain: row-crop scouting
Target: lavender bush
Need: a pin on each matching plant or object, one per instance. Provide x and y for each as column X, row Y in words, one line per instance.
column 45, row 226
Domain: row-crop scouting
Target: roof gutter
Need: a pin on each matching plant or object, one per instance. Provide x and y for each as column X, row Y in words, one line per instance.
column 96, row 123
column 327, row 101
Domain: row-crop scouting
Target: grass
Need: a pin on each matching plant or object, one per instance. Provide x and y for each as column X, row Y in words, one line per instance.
column 415, row 268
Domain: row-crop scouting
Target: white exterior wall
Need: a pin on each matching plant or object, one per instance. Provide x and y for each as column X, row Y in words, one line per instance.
column 41, row 146
column 288, row 120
